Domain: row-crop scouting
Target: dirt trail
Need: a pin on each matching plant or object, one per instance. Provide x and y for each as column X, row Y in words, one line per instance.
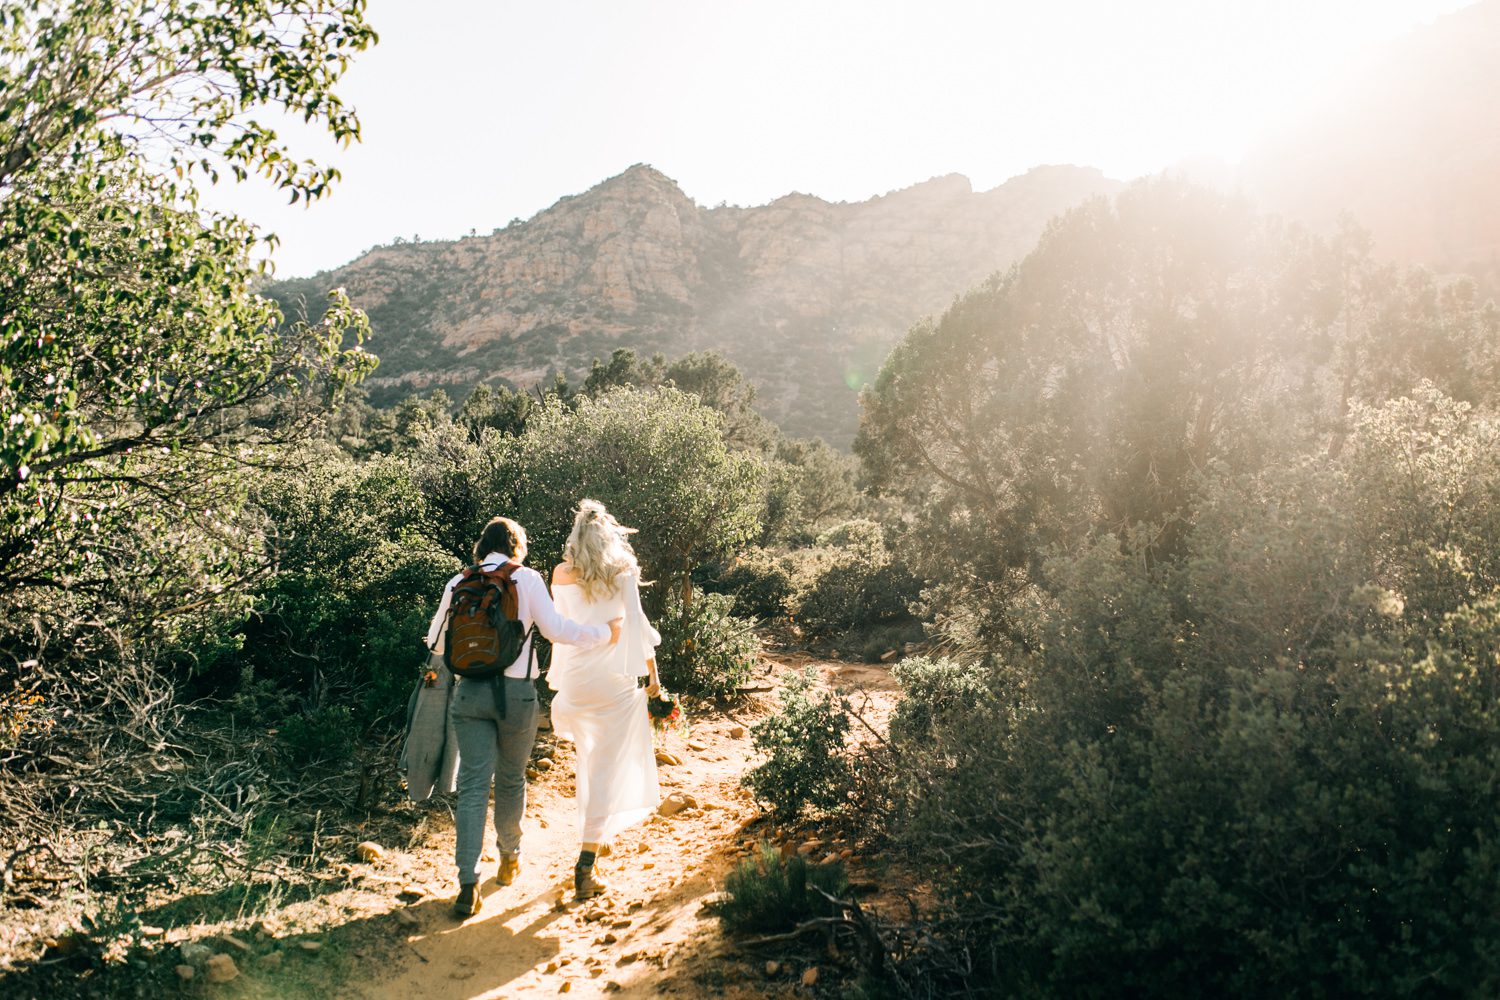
column 531, row 939
column 384, row 930
column 390, row 935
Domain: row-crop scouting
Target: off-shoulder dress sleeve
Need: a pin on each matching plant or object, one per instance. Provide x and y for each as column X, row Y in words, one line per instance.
column 643, row 638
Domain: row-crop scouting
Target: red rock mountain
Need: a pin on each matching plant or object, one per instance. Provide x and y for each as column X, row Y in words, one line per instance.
column 805, row 295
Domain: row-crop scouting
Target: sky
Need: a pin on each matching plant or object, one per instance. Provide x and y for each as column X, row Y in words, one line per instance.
column 475, row 112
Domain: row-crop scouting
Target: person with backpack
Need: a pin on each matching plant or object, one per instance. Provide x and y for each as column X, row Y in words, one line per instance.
column 483, row 629
column 600, row 704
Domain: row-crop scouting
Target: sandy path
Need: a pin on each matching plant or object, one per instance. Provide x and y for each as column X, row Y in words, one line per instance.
column 387, row 932
column 530, row 938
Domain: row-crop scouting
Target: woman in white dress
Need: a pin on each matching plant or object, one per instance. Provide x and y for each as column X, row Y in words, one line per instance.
column 600, row 705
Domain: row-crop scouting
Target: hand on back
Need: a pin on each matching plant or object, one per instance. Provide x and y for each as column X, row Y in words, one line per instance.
column 562, row 573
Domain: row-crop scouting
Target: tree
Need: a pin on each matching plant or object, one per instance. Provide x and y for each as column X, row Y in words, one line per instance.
column 139, row 369
column 658, row 460
column 1146, row 338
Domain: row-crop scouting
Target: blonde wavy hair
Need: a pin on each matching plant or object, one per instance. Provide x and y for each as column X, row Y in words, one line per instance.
column 599, row 549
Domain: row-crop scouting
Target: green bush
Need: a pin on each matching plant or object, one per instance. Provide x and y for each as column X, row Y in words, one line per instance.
column 324, row 736
column 849, row 582
column 1264, row 768
column 761, row 583
column 807, row 764
column 705, row 650
column 769, row 893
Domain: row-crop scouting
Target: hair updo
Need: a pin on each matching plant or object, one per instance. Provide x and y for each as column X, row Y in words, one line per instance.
column 599, row 549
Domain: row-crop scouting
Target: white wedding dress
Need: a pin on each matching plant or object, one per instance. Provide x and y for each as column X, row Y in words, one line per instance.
column 601, row 708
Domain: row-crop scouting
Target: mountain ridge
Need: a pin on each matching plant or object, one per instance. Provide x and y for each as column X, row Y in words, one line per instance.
column 806, row 295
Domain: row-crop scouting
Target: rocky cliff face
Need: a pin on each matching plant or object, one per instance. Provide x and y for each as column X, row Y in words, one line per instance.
column 805, row 295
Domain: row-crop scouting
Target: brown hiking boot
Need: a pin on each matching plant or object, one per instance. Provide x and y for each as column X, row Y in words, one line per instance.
column 510, row 866
column 468, row 902
column 586, row 885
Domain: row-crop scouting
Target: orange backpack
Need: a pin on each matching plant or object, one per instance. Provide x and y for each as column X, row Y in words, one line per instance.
column 483, row 633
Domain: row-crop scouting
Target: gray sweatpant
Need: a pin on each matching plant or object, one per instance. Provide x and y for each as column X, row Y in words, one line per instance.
column 490, row 747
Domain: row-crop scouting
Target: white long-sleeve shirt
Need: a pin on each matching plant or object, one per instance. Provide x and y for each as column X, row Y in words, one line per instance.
column 533, row 606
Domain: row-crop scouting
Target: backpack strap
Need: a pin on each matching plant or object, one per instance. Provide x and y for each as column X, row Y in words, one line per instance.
column 507, row 572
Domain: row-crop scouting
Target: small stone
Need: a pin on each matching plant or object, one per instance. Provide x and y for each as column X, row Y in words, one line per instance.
column 888, row 655
column 672, row 804
column 690, row 800
column 697, row 746
column 148, row 931
column 845, row 854
column 609, row 938
column 736, row 732
column 532, row 774
column 406, row 918
column 185, row 972
column 610, row 986
column 411, row 893
column 370, row 852
column 772, row 968
column 596, row 971
column 229, row 940
column 809, row 847
column 620, row 924
column 566, row 987
column 488, row 855
column 830, row 858
column 544, row 764
column 668, row 759
column 265, row 928
column 647, row 865
column 810, row 977
column 551, row 968
column 221, row 969
column 271, row 960
column 310, row 945
column 195, row 954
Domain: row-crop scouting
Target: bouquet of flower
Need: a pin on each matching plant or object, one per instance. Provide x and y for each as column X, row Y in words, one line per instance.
column 666, row 712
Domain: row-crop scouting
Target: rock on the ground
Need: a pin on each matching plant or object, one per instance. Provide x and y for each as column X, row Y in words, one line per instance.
column 185, row 972
column 697, row 745
column 194, row 954
column 672, row 804
column 668, row 759
column 230, row 941
column 772, row 968
column 888, row 655
column 271, row 960
column 310, row 945
column 370, row 852
column 810, row 977
column 736, row 732
column 544, row 764
column 221, row 969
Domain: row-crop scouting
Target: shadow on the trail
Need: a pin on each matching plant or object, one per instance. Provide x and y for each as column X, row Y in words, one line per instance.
column 479, row 955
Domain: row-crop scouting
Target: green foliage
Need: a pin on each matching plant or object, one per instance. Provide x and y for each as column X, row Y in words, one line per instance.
column 1144, row 339
column 705, row 650
column 768, row 894
column 1264, row 765
column 355, row 590
column 761, row 582
column 849, row 581
column 141, row 375
column 807, row 765
column 658, row 460
column 326, row 735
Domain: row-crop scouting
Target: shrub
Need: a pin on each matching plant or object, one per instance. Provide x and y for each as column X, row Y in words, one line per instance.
column 704, row 649
column 807, row 763
column 769, row 893
column 849, row 582
column 761, row 582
